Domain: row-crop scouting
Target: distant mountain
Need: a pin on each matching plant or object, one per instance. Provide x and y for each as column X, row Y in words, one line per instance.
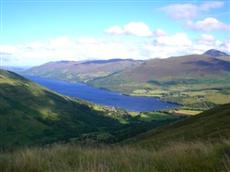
column 82, row 71
column 215, row 53
column 189, row 66
column 108, row 61
column 14, row 68
column 183, row 79
column 195, row 81
column 170, row 69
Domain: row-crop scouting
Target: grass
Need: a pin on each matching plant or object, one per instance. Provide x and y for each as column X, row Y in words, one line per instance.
column 211, row 125
column 178, row 156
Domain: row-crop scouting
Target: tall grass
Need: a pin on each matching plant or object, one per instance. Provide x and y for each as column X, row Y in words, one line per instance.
column 175, row 157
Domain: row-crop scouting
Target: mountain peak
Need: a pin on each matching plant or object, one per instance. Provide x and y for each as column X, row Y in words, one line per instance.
column 215, row 53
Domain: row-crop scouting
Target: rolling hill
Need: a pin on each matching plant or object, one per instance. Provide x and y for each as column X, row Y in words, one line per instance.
column 211, row 125
column 81, row 70
column 184, row 68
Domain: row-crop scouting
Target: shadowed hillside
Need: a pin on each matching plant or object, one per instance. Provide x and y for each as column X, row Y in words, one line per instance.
column 199, row 143
column 31, row 114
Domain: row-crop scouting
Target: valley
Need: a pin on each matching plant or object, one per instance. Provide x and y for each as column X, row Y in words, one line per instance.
column 114, row 86
column 63, row 123
column 33, row 115
column 104, row 97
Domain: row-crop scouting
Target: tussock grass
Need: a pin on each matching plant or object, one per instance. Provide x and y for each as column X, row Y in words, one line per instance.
column 175, row 157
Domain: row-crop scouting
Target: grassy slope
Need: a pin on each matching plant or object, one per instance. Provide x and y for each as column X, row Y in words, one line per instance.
column 184, row 146
column 31, row 114
column 211, row 125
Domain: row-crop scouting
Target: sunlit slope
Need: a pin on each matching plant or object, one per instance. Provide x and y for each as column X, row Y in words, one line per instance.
column 32, row 114
column 81, row 71
column 184, row 69
column 210, row 125
column 195, row 81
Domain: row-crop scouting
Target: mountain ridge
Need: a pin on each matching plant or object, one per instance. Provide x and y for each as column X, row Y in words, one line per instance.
column 215, row 53
column 174, row 79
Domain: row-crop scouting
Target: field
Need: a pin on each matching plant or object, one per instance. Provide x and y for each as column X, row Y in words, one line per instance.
column 199, row 95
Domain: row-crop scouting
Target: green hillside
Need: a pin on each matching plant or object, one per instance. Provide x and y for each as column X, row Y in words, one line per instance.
column 197, row 144
column 31, row 114
column 211, row 125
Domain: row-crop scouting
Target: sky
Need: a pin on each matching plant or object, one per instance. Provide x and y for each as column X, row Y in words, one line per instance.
column 33, row 32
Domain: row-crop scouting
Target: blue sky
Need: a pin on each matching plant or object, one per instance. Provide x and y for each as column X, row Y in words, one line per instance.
column 35, row 32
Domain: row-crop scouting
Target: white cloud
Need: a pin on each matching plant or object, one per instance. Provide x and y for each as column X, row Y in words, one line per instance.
column 133, row 28
column 189, row 10
column 181, row 11
column 61, row 42
column 206, row 39
column 205, row 42
column 208, row 24
column 162, row 45
column 115, row 30
column 65, row 48
column 159, row 32
column 167, row 46
column 211, row 5
column 178, row 39
column 8, row 49
column 137, row 29
column 225, row 45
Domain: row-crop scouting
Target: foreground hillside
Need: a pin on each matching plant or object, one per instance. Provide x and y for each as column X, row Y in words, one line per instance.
column 211, row 125
column 31, row 114
column 200, row 143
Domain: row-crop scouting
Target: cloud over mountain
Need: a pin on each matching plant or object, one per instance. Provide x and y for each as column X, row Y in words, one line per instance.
column 133, row 28
column 208, row 24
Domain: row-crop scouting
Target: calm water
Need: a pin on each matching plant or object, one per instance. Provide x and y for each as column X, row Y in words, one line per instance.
column 103, row 97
